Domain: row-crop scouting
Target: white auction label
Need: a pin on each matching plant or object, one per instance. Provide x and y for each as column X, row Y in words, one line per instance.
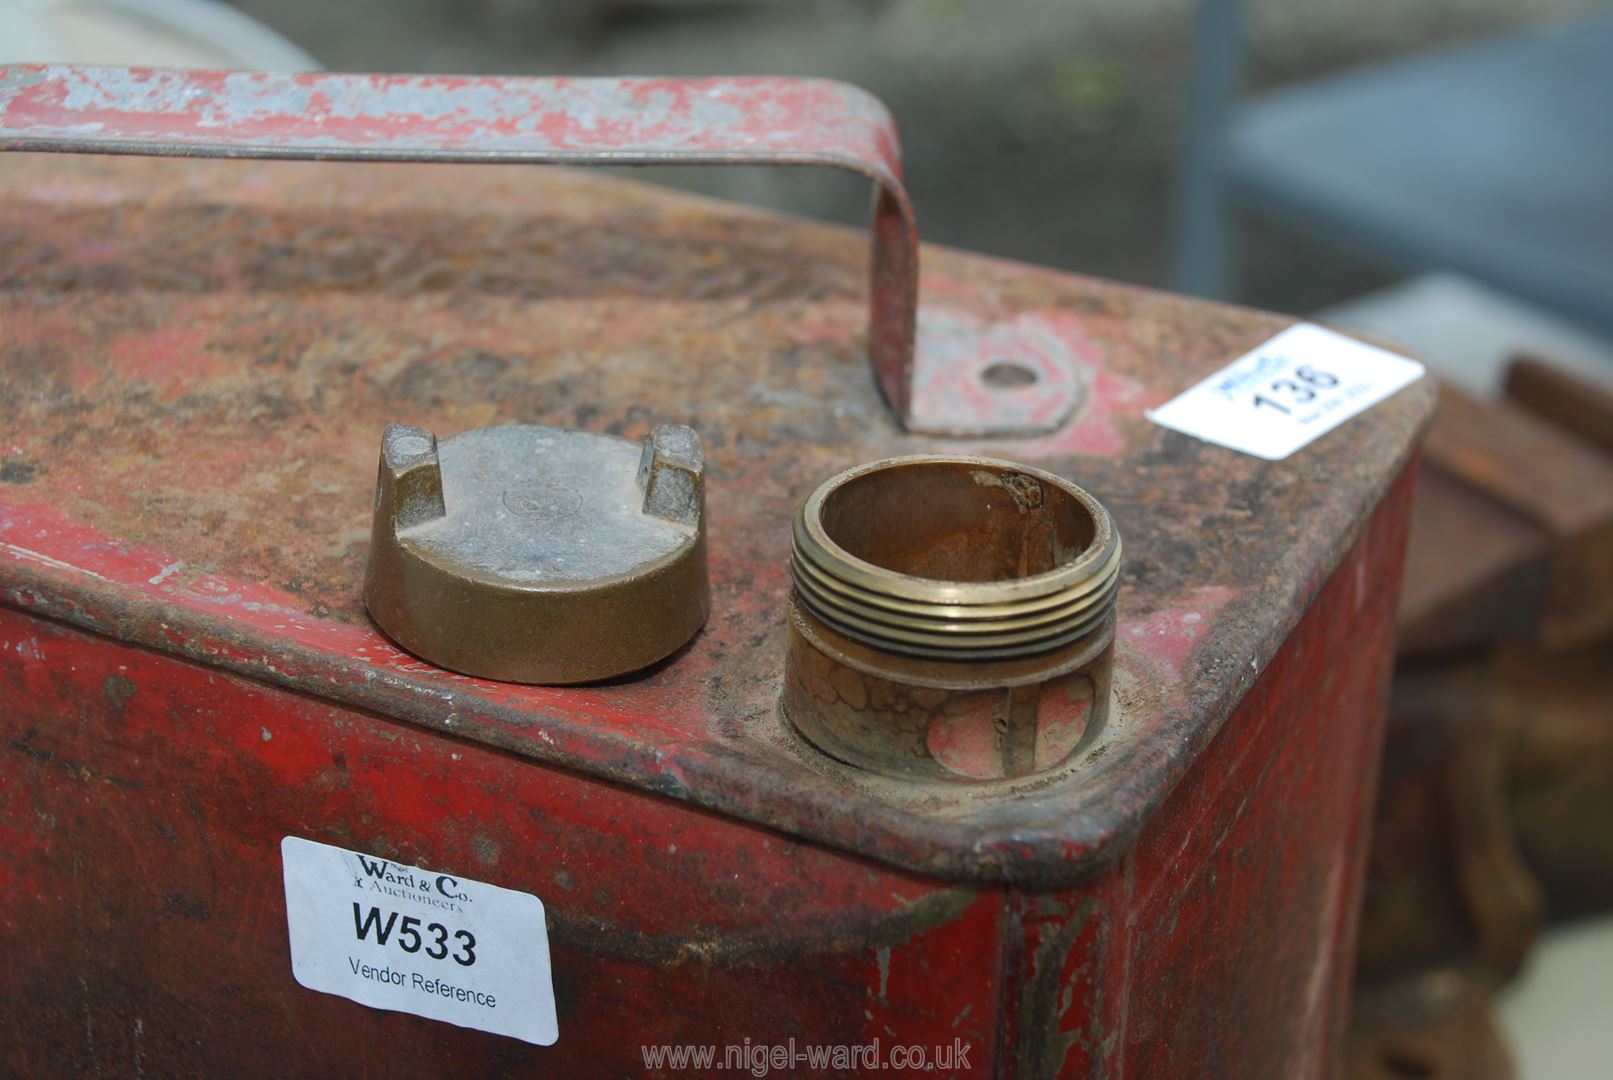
column 418, row 941
column 1301, row 384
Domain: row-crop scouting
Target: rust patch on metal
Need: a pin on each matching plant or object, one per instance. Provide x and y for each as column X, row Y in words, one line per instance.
column 1045, row 997
column 199, row 354
column 594, row 935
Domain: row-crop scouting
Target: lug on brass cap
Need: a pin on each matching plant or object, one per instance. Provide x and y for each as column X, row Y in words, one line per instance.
column 952, row 618
column 539, row 555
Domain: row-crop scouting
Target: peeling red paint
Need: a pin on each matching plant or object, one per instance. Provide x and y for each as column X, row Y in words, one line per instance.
column 173, row 355
column 224, row 514
column 1166, row 638
column 965, row 739
column 197, row 532
column 1110, row 398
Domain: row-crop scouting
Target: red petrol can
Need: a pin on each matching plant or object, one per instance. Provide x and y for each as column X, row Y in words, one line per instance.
column 197, row 359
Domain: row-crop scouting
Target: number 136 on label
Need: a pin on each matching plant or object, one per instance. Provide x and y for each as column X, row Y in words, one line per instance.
column 1296, row 387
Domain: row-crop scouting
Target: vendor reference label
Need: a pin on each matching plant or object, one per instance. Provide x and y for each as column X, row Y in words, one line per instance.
column 1301, row 384
column 418, row 941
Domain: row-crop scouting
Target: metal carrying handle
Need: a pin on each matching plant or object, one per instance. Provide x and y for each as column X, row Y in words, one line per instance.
column 627, row 121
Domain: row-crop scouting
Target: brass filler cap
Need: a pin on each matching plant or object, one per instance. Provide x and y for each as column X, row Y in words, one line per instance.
column 536, row 554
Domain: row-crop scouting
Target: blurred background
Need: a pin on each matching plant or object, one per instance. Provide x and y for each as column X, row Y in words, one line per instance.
column 1437, row 172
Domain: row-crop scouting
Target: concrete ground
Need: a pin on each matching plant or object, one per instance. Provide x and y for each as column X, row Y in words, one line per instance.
column 1556, row 1016
column 1041, row 130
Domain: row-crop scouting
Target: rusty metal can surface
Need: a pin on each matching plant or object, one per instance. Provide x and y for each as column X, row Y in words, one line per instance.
column 198, row 356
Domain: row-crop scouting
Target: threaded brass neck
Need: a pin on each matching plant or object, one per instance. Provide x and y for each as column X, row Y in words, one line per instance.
column 955, row 558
